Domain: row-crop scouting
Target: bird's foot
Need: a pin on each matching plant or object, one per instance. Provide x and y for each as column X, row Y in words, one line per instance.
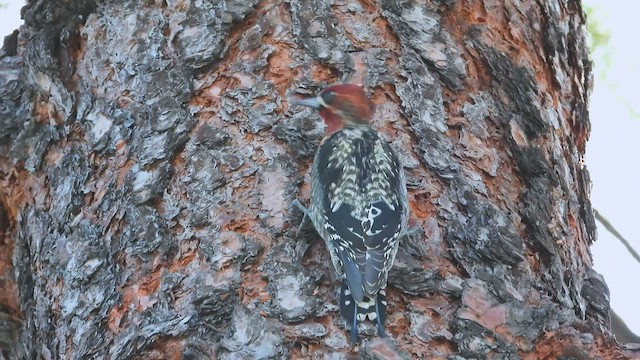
column 411, row 232
column 305, row 212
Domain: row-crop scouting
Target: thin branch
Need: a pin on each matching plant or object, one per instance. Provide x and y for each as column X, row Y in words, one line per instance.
column 607, row 225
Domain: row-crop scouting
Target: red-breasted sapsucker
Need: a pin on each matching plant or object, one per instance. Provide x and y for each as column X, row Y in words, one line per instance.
column 358, row 201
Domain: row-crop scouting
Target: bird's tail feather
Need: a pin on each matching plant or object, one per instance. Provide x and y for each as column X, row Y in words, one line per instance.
column 373, row 309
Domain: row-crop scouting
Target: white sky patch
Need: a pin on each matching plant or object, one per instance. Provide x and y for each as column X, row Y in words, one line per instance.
column 612, row 155
column 10, row 15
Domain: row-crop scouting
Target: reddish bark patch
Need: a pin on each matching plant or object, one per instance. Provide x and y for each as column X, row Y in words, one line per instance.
column 114, row 320
column 149, row 284
column 279, row 70
column 241, row 226
column 253, row 287
column 185, row 259
column 168, row 349
column 422, row 207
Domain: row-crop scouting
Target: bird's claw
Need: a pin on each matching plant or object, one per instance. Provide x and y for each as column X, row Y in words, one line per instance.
column 304, row 210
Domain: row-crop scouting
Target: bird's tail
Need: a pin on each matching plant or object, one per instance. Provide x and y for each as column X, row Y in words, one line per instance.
column 373, row 309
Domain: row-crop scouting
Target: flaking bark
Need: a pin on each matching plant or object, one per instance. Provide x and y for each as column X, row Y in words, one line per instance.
column 148, row 160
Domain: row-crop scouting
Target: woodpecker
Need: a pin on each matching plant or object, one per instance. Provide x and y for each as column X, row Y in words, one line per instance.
column 358, row 202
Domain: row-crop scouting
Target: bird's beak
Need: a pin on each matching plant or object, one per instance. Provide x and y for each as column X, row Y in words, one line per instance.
column 313, row 102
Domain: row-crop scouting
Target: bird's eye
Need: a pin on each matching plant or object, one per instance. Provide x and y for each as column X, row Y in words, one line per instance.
column 327, row 97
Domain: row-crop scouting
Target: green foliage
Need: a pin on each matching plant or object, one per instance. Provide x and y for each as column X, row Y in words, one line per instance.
column 603, row 55
column 597, row 36
column 598, row 41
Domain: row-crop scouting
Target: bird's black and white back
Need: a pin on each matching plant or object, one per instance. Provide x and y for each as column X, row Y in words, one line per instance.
column 359, row 207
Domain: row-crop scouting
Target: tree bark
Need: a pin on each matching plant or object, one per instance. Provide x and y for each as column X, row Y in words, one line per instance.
column 149, row 160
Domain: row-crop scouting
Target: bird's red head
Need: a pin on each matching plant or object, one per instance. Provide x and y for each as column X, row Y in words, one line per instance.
column 339, row 106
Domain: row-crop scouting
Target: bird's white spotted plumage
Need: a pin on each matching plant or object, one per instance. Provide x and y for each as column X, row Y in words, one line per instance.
column 358, row 201
column 359, row 206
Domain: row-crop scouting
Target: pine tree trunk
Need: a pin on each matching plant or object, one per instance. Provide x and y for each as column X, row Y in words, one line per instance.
column 148, row 160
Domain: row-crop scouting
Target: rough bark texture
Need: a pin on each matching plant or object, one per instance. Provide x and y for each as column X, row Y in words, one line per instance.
column 148, row 160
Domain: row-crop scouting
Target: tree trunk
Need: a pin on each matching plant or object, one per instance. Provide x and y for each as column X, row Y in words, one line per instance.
column 149, row 159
